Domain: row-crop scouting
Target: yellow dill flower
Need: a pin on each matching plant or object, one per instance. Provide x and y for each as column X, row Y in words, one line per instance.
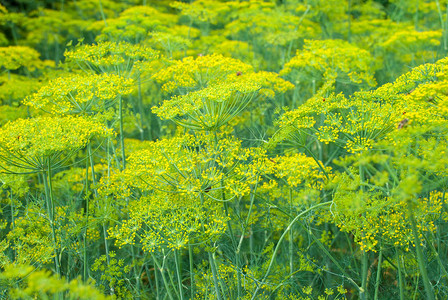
column 32, row 282
column 358, row 144
column 134, row 24
column 121, row 58
column 191, row 74
column 213, row 90
column 321, row 64
column 412, row 46
column 209, row 108
column 173, row 221
column 14, row 57
column 203, row 11
column 28, row 142
column 14, row 87
column 306, row 171
column 80, row 94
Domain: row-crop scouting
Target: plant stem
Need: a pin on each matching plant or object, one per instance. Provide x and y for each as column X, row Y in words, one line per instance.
column 280, row 242
column 291, row 240
column 165, row 283
column 50, row 211
column 178, row 272
column 421, row 258
column 378, row 273
column 234, row 245
column 211, row 260
column 12, row 221
column 215, row 275
column 246, row 224
column 136, row 273
column 120, row 116
column 365, row 268
column 190, row 258
column 85, row 264
column 400, row 276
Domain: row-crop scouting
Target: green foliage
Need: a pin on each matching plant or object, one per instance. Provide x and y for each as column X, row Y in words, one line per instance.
column 202, row 149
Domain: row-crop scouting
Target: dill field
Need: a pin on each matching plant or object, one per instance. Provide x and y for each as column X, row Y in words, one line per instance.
column 225, row 150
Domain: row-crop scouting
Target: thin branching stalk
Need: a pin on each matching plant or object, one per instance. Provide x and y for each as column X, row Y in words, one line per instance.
column 120, row 117
column 378, row 273
column 178, row 273
column 190, row 258
column 277, row 247
column 291, row 238
column 364, row 269
column 400, row 275
column 246, row 223
column 165, row 282
column 50, row 211
column 420, row 257
column 86, row 213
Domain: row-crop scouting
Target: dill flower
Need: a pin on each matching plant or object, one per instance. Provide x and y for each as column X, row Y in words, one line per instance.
column 203, row 11
column 195, row 73
column 80, row 94
column 213, row 90
column 134, row 24
column 412, row 46
column 14, row 87
column 121, row 58
column 306, row 171
column 188, row 164
column 51, row 27
column 322, row 64
column 166, row 220
column 373, row 217
column 14, row 57
column 26, row 281
column 209, row 108
column 31, row 237
column 27, row 143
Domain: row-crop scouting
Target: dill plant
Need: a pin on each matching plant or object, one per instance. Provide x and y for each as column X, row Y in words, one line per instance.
column 266, row 149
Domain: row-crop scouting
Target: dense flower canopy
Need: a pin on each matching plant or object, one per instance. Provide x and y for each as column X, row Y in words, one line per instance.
column 229, row 149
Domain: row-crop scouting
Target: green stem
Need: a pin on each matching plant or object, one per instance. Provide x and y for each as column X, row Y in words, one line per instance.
column 421, row 258
column 439, row 261
column 85, row 264
column 328, row 254
column 445, row 37
column 215, row 275
column 156, row 279
column 50, row 211
column 178, row 272
column 136, row 273
column 234, row 245
column 143, row 116
column 321, row 167
column 12, row 221
column 365, row 268
column 291, row 240
column 400, row 276
column 349, row 23
column 190, row 258
column 280, row 242
column 103, row 16
column 442, row 25
column 211, row 260
column 165, row 283
column 378, row 273
column 246, row 224
column 120, row 116
column 92, row 170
